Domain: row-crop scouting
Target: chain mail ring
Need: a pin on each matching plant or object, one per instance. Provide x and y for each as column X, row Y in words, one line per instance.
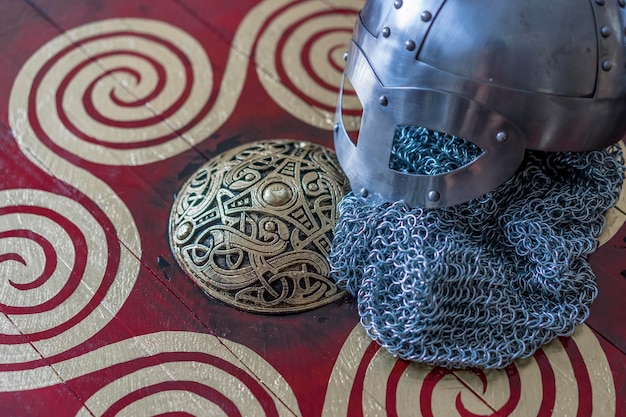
column 482, row 283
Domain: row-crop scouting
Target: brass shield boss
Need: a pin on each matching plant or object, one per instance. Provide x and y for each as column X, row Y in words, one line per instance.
column 253, row 226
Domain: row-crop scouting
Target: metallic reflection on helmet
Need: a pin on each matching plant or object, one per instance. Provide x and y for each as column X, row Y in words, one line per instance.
column 505, row 76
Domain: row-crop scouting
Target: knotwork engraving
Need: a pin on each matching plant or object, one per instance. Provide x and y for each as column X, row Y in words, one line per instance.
column 253, row 226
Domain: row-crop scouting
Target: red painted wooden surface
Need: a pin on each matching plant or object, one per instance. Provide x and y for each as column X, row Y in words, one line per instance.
column 146, row 335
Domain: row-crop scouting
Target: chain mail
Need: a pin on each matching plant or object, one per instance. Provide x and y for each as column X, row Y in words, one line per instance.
column 485, row 282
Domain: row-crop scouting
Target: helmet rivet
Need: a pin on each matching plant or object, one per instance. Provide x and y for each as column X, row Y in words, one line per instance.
column 363, row 192
column 336, row 127
column 426, row 16
column 622, row 3
column 600, row 2
column 607, row 64
column 386, row 32
column 345, row 56
column 502, row 136
column 382, row 100
column 397, row 4
column 410, row 45
column 433, row 195
column 605, row 31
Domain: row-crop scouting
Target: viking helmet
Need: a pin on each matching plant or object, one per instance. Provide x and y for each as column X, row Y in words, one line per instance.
column 505, row 76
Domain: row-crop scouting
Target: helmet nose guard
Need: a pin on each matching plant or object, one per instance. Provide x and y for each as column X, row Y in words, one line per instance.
column 505, row 76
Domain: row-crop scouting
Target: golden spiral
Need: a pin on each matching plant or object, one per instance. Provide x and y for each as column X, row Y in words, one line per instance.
column 196, row 375
column 63, row 276
column 569, row 375
column 121, row 93
column 300, row 57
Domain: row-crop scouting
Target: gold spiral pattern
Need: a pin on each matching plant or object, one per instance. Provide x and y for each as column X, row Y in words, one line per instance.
column 571, row 375
column 131, row 126
column 61, row 278
column 198, row 375
column 300, row 56
column 121, row 93
column 89, row 246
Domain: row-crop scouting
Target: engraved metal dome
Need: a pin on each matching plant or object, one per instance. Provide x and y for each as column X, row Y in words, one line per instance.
column 253, row 226
column 505, row 76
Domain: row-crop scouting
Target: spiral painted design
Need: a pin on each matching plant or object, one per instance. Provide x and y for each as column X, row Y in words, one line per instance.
column 185, row 374
column 135, row 91
column 556, row 378
column 300, row 56
column 67, row 267
column 60, row 279
column 116, row 95
column 195, row 385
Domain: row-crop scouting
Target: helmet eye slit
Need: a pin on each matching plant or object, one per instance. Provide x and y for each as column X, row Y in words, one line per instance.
column 421, row 151
column 352, row 111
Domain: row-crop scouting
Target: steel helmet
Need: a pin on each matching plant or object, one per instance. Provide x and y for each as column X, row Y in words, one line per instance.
column 506, row 76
